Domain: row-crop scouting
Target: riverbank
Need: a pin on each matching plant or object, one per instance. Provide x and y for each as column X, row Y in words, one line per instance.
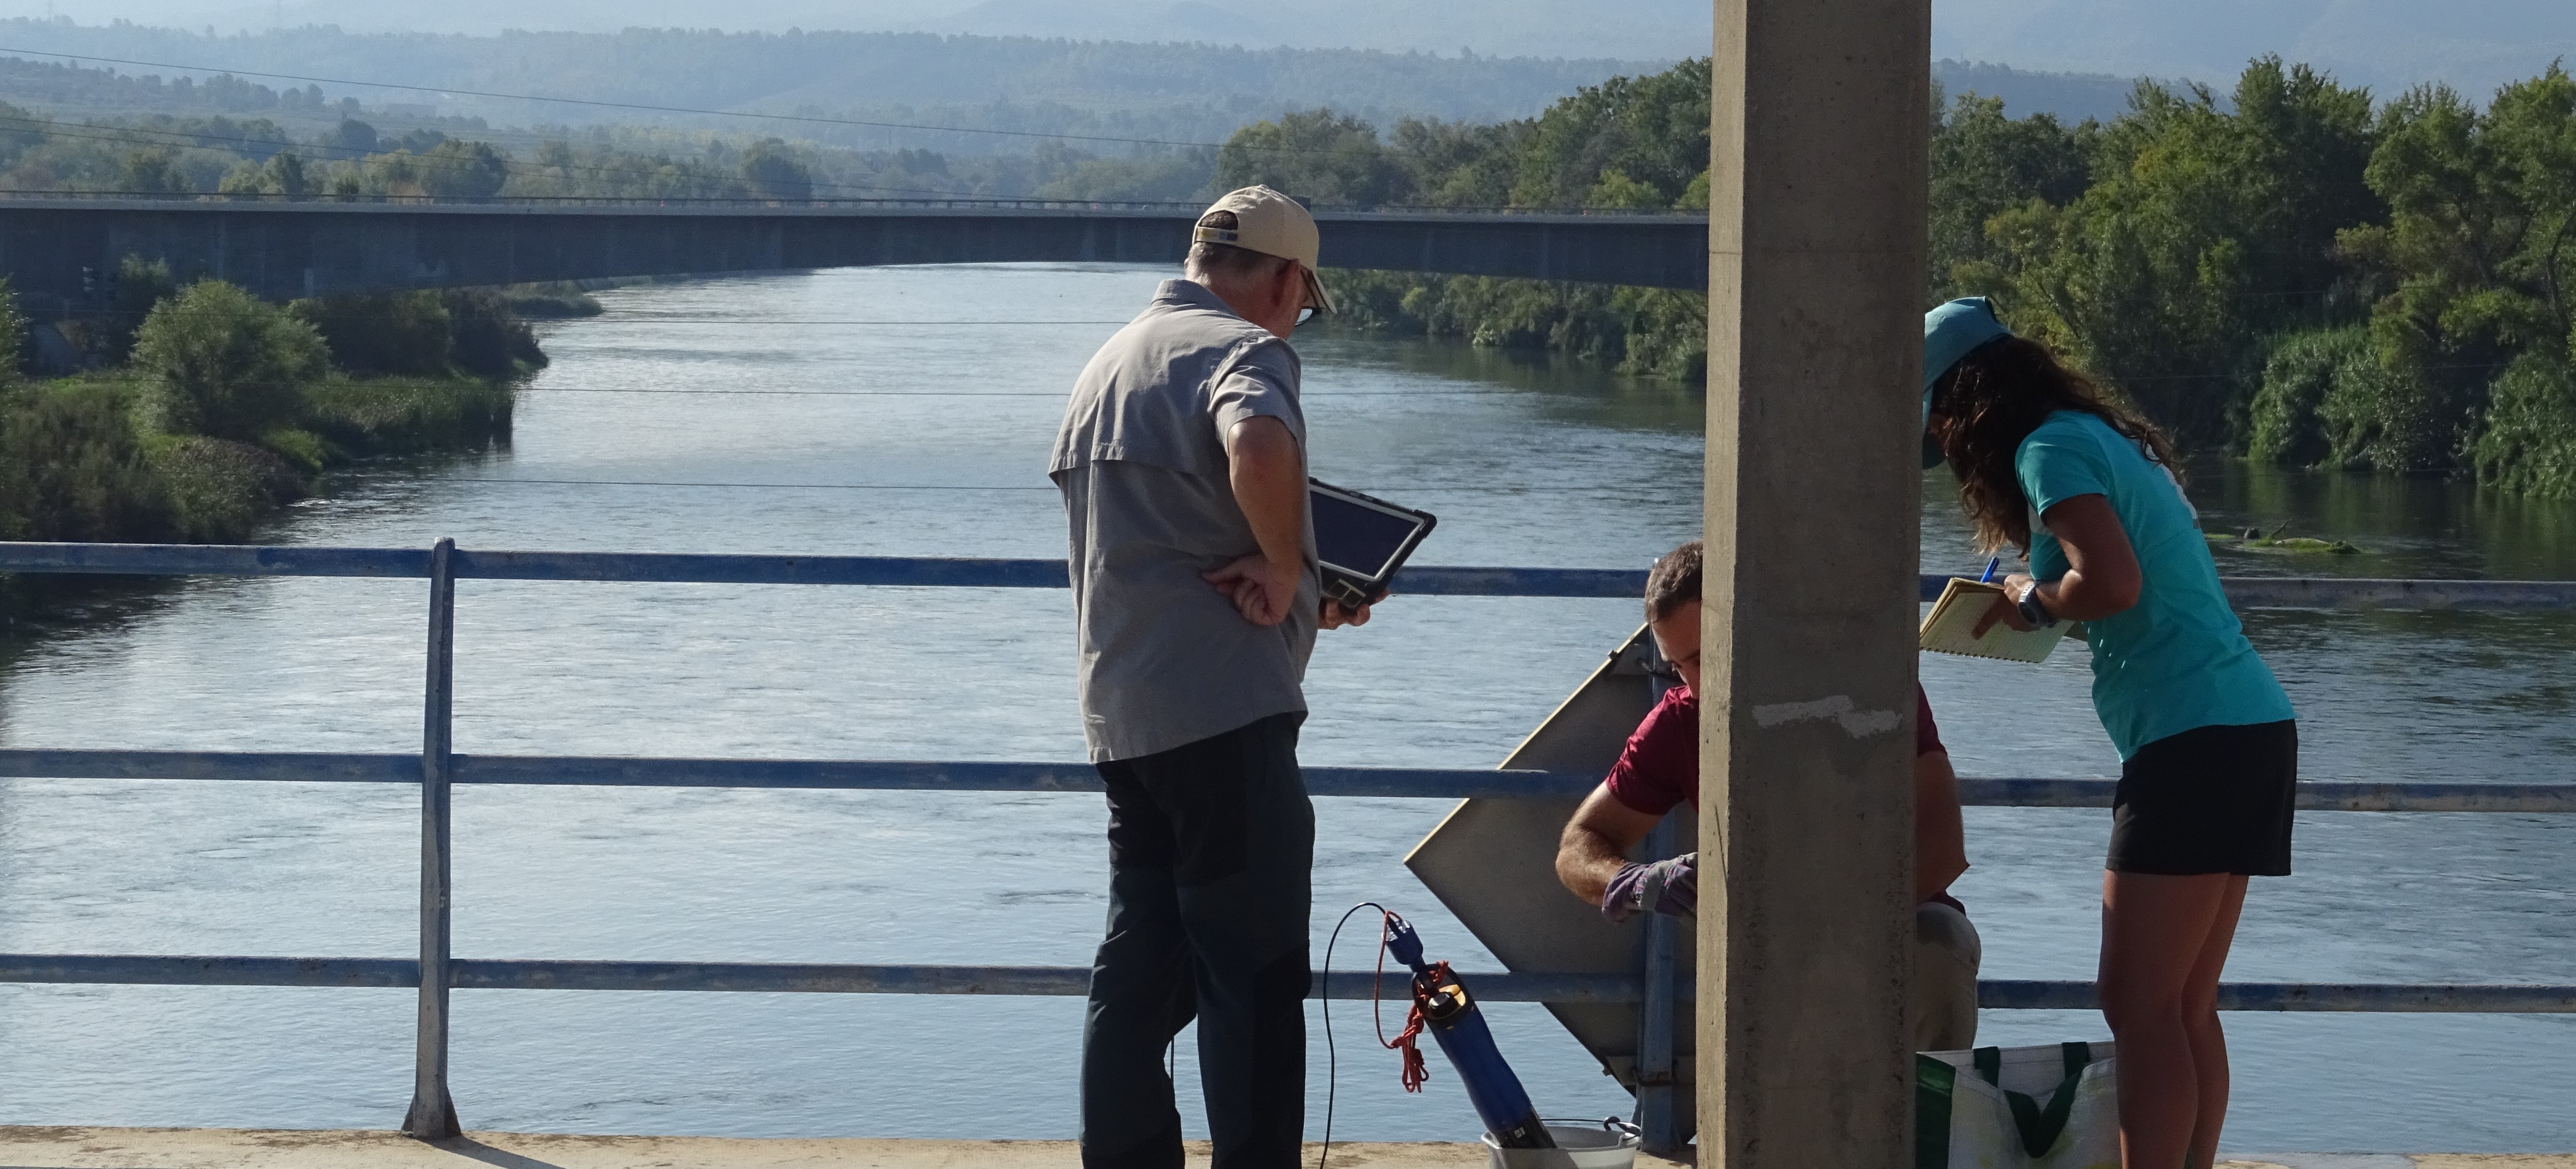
column 75, row 466
column 202, row 412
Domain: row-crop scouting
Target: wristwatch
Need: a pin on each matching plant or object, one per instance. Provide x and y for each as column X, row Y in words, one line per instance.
column 2031, row 610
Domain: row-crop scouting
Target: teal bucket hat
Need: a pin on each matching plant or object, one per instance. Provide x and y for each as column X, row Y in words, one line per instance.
column 1950, row 332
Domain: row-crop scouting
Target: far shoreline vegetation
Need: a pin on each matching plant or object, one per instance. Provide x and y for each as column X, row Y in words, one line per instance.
column 2288, row 273
column 198, row 412
column 2294, row 271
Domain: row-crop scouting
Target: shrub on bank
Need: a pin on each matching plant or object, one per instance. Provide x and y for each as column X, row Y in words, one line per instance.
column 230, row 409
column 382, row 333
column 2328, row 399
column 219, row 362
column 382, row 416
column 219, row 489
column 490, row 340
column 71, row 467
column 2528, row 442
column 548, row 302
column 474, row 332
column 2281, row 424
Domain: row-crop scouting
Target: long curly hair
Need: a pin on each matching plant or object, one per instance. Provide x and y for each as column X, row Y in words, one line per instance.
column 1996, row 396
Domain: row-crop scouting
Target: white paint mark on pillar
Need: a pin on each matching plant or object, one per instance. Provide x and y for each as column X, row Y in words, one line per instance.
column 1839, row 708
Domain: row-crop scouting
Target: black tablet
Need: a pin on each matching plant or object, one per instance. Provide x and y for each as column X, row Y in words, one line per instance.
column 1361, row 541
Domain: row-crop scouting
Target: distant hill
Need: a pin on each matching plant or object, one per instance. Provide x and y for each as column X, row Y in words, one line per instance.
column 2385, row 44
column 1181, row 92
column 1187, row 92
column 2388, row 45
column 2073, row 97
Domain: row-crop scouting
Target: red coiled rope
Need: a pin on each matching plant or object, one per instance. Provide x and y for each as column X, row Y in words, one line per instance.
column 1409, row 1040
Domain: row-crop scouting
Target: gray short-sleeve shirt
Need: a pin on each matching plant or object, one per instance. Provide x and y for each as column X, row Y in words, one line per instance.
column 1165, row 658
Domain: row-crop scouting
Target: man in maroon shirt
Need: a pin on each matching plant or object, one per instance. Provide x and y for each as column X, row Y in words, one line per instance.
column 1660, row 769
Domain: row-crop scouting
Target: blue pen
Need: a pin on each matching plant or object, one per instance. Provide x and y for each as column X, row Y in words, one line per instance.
column 1988, row 576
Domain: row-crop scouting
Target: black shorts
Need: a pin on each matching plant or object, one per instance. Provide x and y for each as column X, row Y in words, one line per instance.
column 2208, row 800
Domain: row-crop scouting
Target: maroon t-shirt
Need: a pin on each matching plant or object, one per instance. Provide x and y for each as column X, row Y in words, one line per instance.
column 1659, row 769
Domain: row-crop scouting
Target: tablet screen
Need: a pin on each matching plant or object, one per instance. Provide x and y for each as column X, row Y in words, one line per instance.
column 1353, row 536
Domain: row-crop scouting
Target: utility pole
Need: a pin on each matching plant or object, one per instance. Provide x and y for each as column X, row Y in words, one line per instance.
column 1820, row 121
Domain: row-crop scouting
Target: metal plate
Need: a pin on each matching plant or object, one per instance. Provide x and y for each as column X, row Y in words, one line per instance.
column 1493, row 863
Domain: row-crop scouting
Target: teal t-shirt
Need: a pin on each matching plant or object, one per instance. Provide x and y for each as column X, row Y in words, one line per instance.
column 2177, row 659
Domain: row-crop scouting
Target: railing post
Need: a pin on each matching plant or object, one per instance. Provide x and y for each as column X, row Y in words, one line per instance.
column 1656, row 1119
column 1656, row 1122
column 433, row 1111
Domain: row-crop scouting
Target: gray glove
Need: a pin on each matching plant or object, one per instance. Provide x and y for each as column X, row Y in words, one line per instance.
column 1669, row 887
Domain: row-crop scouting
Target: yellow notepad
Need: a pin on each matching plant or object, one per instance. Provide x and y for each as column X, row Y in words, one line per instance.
column 1950, row 627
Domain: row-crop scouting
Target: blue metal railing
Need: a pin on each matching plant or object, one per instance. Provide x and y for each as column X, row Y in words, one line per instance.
column 437, row 768
column 963, row 572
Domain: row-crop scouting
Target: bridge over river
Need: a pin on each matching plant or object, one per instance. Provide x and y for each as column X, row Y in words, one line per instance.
column 54, row 249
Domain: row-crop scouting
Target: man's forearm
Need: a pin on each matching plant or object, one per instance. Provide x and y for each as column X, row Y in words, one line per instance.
column 1587, row 861
column 1268, row 475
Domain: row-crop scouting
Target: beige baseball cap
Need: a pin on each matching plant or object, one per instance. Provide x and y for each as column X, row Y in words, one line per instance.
column 1274, row 225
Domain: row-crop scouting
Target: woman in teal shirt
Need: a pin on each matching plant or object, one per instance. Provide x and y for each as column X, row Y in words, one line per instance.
column 2209, row 749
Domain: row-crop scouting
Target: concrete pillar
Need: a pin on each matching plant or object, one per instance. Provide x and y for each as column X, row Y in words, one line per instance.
column 1816, row 250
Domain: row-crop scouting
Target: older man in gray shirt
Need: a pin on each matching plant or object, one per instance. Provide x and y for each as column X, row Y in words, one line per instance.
column 1182, row 463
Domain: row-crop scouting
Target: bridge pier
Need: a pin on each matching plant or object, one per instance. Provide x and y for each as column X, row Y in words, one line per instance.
column 1816, row 254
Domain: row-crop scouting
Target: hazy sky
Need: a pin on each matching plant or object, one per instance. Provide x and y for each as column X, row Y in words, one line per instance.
column 2384, row 43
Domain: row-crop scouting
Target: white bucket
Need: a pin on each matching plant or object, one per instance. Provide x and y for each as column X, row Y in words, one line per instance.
column 1578, row 1146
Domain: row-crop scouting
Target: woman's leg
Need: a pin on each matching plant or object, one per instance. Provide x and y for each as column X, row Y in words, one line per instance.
column 2156, row 932
column 2208, row 1039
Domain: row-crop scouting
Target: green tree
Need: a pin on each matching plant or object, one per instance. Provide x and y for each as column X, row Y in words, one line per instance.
column 775, row 172
column 18, row 134
column 282, row 174
column 1984, row 164
column 350, row 138
column 1653, row 130
column 1318, row 155
column 382, row 333
column 1616, row 191
column 2204, row 231
column 218, row 362
column 155, row 172
column 1460, row 164
column 2481, row 237
column 457, row 169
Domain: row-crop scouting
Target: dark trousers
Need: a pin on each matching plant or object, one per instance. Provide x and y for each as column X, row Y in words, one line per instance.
column 1211, row 852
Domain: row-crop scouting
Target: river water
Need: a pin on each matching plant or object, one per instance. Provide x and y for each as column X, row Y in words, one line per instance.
column 747, row 415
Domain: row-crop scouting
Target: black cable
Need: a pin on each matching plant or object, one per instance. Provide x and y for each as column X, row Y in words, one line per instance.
column 1332, row 1056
